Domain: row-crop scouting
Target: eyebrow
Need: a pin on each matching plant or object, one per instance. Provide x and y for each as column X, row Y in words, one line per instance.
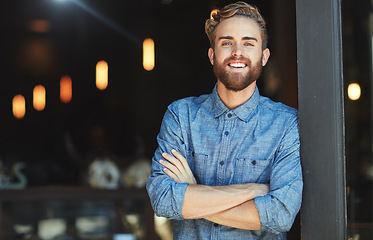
column 250, row 38
column 244, row 38
column 225, row 37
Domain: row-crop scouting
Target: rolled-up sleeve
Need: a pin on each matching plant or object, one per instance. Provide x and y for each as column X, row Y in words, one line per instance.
column 278, row 209
column 166, row 195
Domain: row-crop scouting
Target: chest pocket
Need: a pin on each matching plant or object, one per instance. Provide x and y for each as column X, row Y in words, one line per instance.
column 252, row 170
column 199, row 165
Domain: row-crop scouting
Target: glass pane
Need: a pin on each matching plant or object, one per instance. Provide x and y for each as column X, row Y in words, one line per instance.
column 357, row 57
column 75, row 219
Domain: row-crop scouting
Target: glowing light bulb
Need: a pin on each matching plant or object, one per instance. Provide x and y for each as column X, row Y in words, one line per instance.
column 354, row 91
column 19, row 106
column 39, row 97
column 102, row 75
column 66, row 89
column 148, row 54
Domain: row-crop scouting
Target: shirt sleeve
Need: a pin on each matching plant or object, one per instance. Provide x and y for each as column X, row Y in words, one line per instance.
column 278, row 209
column 166, row 195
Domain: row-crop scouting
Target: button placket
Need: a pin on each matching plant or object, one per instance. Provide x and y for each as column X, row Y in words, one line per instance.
column 223, row 160
column 229, row 116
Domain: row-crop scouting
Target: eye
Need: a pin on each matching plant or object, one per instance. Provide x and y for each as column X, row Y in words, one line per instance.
column 226, row 44
column 249, row 44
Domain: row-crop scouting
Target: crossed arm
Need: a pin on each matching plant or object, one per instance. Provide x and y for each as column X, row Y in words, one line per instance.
column 231, row 205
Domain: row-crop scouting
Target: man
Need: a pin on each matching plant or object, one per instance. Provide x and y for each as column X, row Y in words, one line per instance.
column 227, row 165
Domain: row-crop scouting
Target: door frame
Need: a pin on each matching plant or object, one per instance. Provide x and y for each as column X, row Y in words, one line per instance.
column 321, row 119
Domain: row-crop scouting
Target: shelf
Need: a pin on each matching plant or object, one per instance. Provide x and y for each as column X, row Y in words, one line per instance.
column 70, row 192
column 73, row 193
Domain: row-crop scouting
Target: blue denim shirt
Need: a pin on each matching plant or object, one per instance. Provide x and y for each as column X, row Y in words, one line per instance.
column 258, row 142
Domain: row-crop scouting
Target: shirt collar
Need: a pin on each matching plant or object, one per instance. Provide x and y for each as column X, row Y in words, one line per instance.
column 243, row 112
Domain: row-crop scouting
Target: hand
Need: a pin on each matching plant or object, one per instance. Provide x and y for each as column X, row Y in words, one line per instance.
column 177, row 168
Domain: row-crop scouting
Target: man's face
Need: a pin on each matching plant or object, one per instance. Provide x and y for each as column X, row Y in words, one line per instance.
column 238, row 57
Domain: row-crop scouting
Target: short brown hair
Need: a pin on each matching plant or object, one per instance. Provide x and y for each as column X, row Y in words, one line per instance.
column 236, row 9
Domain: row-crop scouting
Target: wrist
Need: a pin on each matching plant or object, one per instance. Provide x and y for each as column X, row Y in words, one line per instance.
column 256, row 190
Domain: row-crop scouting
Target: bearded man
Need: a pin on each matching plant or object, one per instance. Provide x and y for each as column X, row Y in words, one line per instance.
column 227, row 164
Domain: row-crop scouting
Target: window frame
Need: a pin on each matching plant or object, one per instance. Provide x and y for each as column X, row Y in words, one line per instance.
column 321, row 119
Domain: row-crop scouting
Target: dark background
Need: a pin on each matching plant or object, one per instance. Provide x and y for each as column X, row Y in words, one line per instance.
column 122, row 122
column 58, row 143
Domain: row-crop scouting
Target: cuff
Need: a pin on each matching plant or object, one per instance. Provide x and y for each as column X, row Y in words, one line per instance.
column 262, row 206
column 178, row 199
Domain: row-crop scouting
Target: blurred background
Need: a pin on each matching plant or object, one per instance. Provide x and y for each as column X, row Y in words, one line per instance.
column 80, row 149
column 60, row 128
column 61, row 131
column 45, row 41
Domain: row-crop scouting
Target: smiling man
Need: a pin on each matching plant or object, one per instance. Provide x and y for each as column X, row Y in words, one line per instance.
column 227, row 165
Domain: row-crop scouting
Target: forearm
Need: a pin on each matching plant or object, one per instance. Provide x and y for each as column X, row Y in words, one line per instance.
column 201, row 201
column 243, row 216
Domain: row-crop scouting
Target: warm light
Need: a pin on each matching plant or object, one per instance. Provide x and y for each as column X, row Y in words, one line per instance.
column 39, row 97
column 214, row 11
column 66, row 89
column 40, row 26
column 148, row 54
column 354, row 91
column 102, row 75
column 19, row 106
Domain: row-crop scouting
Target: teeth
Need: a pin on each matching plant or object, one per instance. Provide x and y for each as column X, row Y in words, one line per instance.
column 237, row 65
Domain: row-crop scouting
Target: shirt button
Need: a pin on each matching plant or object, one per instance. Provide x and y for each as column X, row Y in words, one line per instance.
column 221, row 163
column 229, row 115
column 226, row 133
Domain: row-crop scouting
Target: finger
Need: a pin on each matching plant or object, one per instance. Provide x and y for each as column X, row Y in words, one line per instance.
column 187, row 174
column 170, row 167
column 175, row 165
column 176, row 162
column 183, row 161
column 179, row 157
column 174, row 173
column 171, row 174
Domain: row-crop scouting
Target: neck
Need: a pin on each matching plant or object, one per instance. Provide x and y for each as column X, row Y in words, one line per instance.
column 233, row 99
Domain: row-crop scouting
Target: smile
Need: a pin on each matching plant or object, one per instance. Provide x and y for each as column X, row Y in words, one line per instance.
column 237, row 65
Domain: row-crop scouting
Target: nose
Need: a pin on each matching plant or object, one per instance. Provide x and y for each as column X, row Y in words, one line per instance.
column 237, row 50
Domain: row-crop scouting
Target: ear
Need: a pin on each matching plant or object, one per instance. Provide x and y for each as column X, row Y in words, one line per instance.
column 211, row 55
column 265, row 57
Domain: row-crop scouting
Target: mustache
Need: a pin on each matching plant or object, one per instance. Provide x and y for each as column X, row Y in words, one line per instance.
column 241, row 58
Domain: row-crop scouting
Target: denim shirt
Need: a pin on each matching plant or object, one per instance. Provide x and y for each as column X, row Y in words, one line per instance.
column 257, row 142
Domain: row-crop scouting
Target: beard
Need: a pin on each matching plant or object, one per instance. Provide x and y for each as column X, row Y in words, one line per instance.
column 237, row 81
